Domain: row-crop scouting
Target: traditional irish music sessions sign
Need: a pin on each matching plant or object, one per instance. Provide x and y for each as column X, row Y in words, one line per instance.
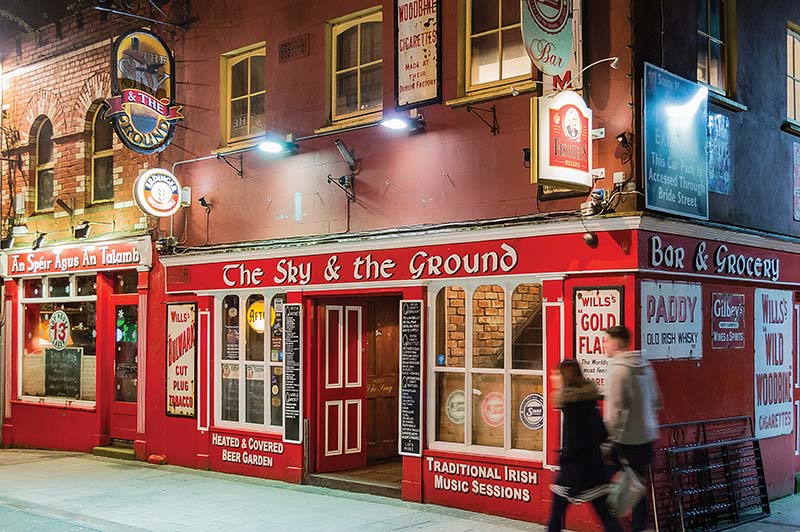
column 417, row 70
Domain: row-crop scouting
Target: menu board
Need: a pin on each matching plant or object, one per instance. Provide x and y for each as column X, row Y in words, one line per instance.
column 410, row 378
column 62, row 372
column 293, row 373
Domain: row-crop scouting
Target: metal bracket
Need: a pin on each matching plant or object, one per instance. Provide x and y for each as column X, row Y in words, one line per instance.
column 346, row 183
column 494, row 127
column 239, row 171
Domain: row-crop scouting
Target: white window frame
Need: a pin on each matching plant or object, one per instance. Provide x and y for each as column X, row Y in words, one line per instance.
column 509, row 284
column 267, row 363
column 792, row 75
column 60, row 401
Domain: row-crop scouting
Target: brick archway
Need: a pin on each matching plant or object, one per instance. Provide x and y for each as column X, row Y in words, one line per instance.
column 96, row 88
column 43, row 103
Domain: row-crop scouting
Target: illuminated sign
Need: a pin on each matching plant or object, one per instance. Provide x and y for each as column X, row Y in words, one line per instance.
column 157, row 192
column 547, row 33
column 255, row 316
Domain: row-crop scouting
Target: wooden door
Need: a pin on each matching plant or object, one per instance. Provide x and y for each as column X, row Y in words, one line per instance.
column 124, row 339
column 383, row 351
column 341, row 408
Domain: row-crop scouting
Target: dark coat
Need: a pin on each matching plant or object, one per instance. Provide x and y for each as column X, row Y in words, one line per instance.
column 581, row 461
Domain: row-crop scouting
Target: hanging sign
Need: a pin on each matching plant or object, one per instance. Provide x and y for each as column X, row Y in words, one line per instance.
column 181, row 356
column 672, row 320
column 293, row 373
column 142, row 107
column 417, row 68
column 410, row 378
column 157, row 192
column 774, row 390
column 547, row 34
column 595, row 310
column 561, row 128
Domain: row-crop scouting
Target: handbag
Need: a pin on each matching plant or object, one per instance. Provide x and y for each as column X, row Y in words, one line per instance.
column 625, row 490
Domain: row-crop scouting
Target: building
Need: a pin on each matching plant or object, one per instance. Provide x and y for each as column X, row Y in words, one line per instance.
column 276, row 300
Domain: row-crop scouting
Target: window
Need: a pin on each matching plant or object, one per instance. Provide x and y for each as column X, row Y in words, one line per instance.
column 245, row 94
column 357, row 84
column 793, row 75
column 102, row 158
column 495, row 51
column 44, row 166
column 488, row 367
column 60, row 331
column 250, row 367
column 714, row 43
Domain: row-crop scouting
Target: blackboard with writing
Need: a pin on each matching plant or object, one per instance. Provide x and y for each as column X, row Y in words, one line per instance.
column 62, row 372
column 293, row 373
column 411, row 378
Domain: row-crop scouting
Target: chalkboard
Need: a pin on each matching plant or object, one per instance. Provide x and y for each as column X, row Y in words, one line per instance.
column 293, row 373
column 62, row 372
column 410, row 441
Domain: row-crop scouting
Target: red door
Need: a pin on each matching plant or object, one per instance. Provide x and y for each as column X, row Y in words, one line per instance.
column 341, row 407
column 124, row 339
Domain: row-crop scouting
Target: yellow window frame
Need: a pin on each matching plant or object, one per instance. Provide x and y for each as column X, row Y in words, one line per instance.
column 228, row 61
column 100, row 155
column 49, row 165
column 337, row 29
column 792, row 74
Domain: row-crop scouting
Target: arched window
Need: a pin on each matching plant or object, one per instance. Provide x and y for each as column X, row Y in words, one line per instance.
column 102, row 158
column 44, row 166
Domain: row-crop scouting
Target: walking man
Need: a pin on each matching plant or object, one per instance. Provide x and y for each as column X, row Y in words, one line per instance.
column 632, row 404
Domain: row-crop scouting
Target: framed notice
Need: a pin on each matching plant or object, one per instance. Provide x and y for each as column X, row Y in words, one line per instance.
column 595, row 309
column 672, row 320
column 181, row 359
column 410, row 403
column 727, row 321
column 293, row 373
column 417, row 37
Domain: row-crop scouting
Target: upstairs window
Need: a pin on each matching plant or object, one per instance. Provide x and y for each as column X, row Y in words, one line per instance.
column 44, row 166
column 495, row 52
column 357, row 84
column 713, row 43
column 245, row 94
column 793, row 75
column 102, row 158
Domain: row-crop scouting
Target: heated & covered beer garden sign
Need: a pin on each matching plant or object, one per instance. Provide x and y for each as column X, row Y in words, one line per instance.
column 142, row 107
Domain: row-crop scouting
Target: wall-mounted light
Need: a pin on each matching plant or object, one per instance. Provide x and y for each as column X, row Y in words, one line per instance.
column 7, row 242
column 416, row 122
column 38, row 241
column 82, row 230
column 273, row 144
column 346, row 182
column 346, row 154
column 624, row 139
column 613, row 63
column 67, row 208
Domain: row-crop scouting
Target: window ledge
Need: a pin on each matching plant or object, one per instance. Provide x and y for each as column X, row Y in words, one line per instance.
column 493, row 94
column 723, row 101
column 343, row 125
column 241, row 145
column 54, row 402
column 791, row 126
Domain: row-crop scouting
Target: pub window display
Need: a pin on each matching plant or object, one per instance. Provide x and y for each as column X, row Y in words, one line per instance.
column 250, row 371
column 488, row 341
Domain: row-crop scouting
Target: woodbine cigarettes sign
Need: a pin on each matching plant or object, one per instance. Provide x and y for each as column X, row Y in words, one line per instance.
column 417, row 65
column 181, row 351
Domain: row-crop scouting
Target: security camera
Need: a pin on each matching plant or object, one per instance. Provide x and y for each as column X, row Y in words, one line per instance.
column 346, row 154
column 204, row 203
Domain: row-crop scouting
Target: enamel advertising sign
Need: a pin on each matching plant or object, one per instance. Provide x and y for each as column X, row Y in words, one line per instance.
column 563, row 125
column 417, row 68
column 672, row 320
column 181, row 351
column 547, row 33
column 142, row 107
column 595, row 310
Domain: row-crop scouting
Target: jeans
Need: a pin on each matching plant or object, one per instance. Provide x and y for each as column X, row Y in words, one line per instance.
column 639, row 457
column 559, row 511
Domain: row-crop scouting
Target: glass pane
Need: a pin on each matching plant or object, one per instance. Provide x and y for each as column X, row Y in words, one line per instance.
column 103, row 139
column 125, row 363
column 86, row 285
column 716, row 19
column 510, row 12
column 702, row 16
column 371, row 87
column 257, row 112
column 485, row 59
column 527, row 412
column 44, row 143
column 790, row 103
column 239, row 79
column 126, row 281
column 33, row 288
column 44, row 190
column 715, row 67
column 347, row 49
column 58, row 287
column 526, row 327
column 276, row 396
column 485, row 15
column 796, row 100
column 254, row 339
column 450, row 407
column 488, row 326
column 371, row 42
column 789, row 54
column 239, row 118
column 230, row 392
column 451, row 311
column 103, row 178
column 488, row 410
column 796, row 54
column 230, row 320
column 276, row 328
column 254, row 394
column 515, row 60
column 702, row 59
column 347, row 93
column 258, row 77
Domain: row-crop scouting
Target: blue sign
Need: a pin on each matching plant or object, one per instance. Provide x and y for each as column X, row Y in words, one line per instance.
column 719, row 153
column 440, row 359
column 675, row 139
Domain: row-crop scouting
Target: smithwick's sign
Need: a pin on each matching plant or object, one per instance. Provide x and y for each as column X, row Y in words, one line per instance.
column 417, row 72
column 181, row 350
column 547, row 34
column 109, row 256
column 143, row 108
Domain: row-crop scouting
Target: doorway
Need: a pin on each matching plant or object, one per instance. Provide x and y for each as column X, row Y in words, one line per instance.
column 123, row 336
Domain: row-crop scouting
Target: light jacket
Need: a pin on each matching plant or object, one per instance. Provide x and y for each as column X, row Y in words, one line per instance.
column 632, row 401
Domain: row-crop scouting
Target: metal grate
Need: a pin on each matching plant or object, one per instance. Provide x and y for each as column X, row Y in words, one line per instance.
column 294, row 48
column 178, row 275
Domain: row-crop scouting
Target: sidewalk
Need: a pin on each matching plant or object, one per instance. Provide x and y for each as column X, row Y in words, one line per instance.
column 67, row 492
column 785, row 517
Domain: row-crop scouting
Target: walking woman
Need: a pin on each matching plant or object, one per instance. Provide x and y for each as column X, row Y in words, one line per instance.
column 583, row 477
